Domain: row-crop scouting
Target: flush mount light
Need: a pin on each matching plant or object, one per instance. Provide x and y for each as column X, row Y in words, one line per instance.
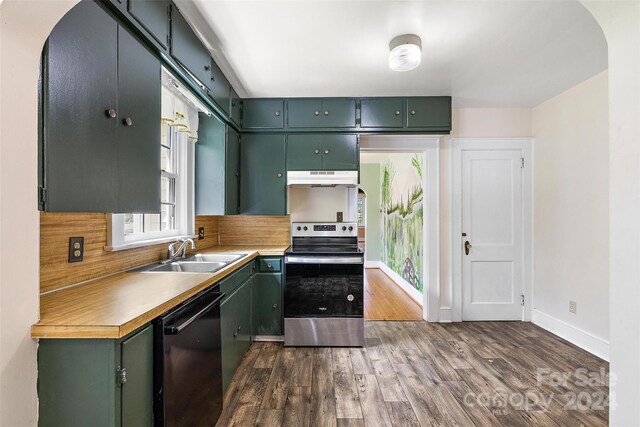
column 405, row 52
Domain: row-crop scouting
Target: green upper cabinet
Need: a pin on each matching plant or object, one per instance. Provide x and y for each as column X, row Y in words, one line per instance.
column 340, row 152
column 139, row 128
column 321, row 113
column 80, row 381
column 235, row 107
column 153, row 16
column 262, row 113
column 188, row 50
column 308, row 152
column 381, row 113
column 217, row 168
column 433, row 112
column 304, row 152
column 101, row 117
column 219, row 88
column 262, row 168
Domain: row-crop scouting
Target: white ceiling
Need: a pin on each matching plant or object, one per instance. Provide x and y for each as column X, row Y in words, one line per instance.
column 483, row 53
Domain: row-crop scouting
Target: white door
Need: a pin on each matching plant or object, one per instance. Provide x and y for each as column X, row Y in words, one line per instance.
column 492, row 261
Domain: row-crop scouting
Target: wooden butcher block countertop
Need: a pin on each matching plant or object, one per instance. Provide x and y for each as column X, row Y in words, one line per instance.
column 116, row 305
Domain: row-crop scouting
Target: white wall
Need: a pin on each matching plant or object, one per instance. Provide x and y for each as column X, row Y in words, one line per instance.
column 469, row 123
column 620, row 21
column 571, row 214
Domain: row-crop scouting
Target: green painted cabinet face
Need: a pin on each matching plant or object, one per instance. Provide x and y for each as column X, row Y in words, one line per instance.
column 267, row 304
column 381, row 113
column 429, row 112
column 137, row 391
column 138, row 134
column 263, row 113
column 219, row 88
column 340, row 152
column 153, row 16
column 304, row 152
column 188, row 50
column 79, row 89
column 304, row 113
column 234, row 107
column 235, row 329
column 262, row 169
column 338, row 113
column 232, row 173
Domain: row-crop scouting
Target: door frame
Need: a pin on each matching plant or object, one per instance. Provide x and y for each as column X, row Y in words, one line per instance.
column 458, row 146
column 429, row 146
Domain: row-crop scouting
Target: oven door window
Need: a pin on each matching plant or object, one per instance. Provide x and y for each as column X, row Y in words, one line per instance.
column 324, row 290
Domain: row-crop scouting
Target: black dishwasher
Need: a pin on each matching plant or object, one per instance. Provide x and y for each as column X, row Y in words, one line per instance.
column 188, row 364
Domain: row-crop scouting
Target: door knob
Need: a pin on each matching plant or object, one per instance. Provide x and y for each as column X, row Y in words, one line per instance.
column 467, row 247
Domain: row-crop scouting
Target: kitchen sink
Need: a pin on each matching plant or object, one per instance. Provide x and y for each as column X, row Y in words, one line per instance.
column 227, row 258
column 199, row 263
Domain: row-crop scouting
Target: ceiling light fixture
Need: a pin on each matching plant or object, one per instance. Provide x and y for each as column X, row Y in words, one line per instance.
column 405, row 52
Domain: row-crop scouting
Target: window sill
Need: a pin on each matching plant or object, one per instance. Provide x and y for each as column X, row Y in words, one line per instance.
column 145, row 243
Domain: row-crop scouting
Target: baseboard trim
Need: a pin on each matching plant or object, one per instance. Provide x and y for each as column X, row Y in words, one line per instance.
column 269, row 338
column 583, row 339
column 446, row 315
column 403, row 284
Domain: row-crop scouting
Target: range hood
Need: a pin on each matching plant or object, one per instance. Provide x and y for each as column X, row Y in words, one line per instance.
column 323, row 178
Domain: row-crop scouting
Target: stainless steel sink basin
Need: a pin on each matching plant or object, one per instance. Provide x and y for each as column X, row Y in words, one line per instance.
column 191, row 266
column 227, row 258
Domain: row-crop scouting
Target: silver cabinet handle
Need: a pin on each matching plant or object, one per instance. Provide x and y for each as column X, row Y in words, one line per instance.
column 397, row 113
column 279, row 175
column 317, row 113
column 274, row 307
column 127, row 121
column 326, row 151
column 268, row 265
column 317, row 151
column 326, row 113
column 110, row 113
column 413, row 112
column 277, row 113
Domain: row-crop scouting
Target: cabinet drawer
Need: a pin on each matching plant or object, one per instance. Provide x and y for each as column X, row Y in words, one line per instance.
column 263, row 113
column 381, row 113
column 230, row 283
column 270, row 265
column 431, row 112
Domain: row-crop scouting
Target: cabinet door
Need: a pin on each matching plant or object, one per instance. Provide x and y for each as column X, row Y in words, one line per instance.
column 304, row 152
column 137, row 391
column 262, row 168
column 210, row 162
column 229, row 347
column 154, row 17
column 219, row 88
column 244, row 318
column 381, row 113
column 79, row 137
column 304, row 113
column 236, row 112
column 340, row 152
column 188, row 50
column 267, row 304
column 139, row 128
column 262, row 113
column 338, row 113
column 232, row 173
column 432, row 112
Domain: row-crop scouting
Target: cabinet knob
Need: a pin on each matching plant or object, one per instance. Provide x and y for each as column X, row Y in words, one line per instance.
column 111, row 113
column 237, row 174
column 397, row 113
column 326, row 113
column 274, row 306
column 208, row 68
column 127, row 121
column 413, row 112
column 239, row 328
column 235, row 334
column 277, row 113
column 268, row 265
column 317, row 113
column 317, row 151
column 326, row 151
column 279, row 175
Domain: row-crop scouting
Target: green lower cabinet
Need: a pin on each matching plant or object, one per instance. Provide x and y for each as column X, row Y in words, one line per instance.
column 79, row 381
column 235, row 329
column 267, row 304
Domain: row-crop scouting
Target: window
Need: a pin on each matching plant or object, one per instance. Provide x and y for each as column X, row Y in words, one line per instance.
column 176, row 217
column 361, row 210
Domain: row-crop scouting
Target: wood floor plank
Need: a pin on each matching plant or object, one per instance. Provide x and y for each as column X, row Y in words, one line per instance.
column 278, row 386
column 302, row 368
column 385, row 300
column 402, row 415
column 360, row 362
column 372, row 402
column 422, row 402
column 269, row 418
column 298, row 407
column 242, row 416
column 255, row 386
column 388, row 382
column 323, row 399
column 268, row 353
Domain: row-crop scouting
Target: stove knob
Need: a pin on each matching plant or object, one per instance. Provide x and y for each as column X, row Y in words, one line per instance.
column 344, row 228
column 298, row 228
column 350, row 228
column 305, row 228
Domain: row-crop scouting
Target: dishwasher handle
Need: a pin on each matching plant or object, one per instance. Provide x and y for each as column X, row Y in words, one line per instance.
column 176, row 329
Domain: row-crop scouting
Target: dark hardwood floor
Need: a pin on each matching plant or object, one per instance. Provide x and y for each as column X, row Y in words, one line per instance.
column 422, row 374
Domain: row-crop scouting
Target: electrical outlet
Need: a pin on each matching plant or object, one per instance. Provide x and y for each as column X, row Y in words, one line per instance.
column 339, row 216
column 200, row 233
column 76, row 249
column 572, row 307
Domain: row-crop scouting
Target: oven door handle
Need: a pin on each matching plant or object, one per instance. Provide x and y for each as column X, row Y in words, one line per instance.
column 323, row 260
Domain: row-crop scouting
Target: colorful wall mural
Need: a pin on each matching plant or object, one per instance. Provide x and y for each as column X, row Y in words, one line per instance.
column 402, row 206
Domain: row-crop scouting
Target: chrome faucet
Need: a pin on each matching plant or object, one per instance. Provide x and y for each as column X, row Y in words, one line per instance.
column 181, row 252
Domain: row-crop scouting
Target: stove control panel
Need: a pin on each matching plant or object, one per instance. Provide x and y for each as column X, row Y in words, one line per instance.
column 324, row 229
